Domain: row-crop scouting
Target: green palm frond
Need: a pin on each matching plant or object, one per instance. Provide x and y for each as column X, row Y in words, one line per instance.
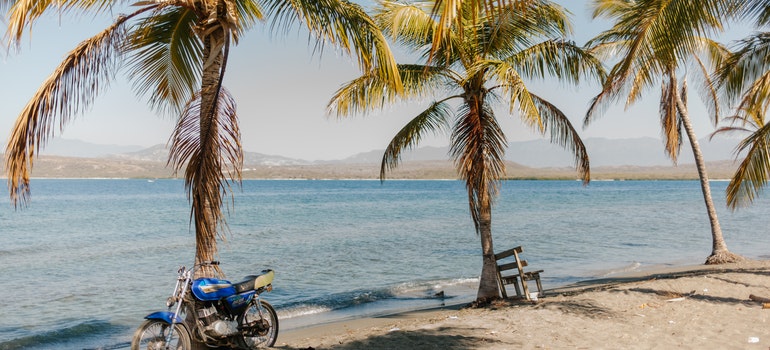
column 650, row 36
column 68, row 91
column 249, row 13
column 451, row 13
column 409, row 24
column 516, row 92
column 516, row 29
column 343, row 24
column 557, row 58
column 753, row 172
column 370, row 91
column 165, row 58
column 434, row 119
column 212, row 153
column 564, row 134
column 747, row 66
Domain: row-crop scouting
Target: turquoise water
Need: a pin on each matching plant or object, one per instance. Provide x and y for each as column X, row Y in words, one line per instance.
column 88, row 259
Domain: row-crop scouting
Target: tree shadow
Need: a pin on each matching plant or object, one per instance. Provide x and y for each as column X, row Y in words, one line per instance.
column 698, row 297
column 440, row 338
column 584, row 308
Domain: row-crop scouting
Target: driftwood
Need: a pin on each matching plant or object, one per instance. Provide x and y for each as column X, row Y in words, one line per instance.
column 759, row 299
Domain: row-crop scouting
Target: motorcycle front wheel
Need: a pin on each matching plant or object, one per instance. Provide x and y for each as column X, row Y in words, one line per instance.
column 153, row 335
column 259, row 325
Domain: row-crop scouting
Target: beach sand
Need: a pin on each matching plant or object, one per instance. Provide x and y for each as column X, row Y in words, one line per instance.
column 696, row 307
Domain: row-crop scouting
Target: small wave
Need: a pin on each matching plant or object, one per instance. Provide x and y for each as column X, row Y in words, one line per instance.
column 302, row 310
column 623, row 269
column 416, row 290
column 53, row 338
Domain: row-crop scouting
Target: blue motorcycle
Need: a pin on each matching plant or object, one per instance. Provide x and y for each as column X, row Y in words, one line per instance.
column 217, row 313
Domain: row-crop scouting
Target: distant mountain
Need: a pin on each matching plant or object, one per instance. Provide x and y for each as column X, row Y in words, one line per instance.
column 645, row 151
column 536, row 154
column 159, row 153
column 420, row 154
column 76, row 148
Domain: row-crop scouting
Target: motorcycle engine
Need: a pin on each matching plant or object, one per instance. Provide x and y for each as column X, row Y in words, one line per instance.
column 214, row 326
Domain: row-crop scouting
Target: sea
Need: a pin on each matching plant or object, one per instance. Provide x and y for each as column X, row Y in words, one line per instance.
column 86, row 259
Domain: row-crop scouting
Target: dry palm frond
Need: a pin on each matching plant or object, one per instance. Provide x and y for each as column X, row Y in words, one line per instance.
column 69, row 91
column 214, row 158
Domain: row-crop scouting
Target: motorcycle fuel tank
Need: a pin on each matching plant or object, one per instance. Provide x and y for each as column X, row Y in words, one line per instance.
column 210, row 289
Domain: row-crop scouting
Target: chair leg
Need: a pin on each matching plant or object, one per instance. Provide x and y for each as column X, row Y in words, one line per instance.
column 518, row 290
column 526, row 289
column 539, row 286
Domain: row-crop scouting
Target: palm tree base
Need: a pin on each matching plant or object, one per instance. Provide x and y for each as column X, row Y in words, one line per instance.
column 723, row 257
column 483, row 302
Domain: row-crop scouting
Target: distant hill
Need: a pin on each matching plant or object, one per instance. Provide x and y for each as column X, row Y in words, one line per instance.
column 640, row 158
column 76, row 148
column 645, row 151
column 536, row 153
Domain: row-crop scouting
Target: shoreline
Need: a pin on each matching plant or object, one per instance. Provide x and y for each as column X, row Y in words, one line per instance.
column 454, row 326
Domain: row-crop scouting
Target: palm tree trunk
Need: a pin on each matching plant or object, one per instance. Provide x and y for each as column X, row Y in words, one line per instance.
column 719, row 252
column 488, row 287
column 205, row 189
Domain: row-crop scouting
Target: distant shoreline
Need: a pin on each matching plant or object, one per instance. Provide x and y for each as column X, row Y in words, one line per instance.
column 113, row 168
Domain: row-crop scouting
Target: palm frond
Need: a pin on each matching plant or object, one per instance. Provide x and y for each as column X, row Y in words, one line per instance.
column 68, row 91
column 715, row 54
column 212, row 153
column 515, row 91
column 517, row 28
column 370, row 91
column 478, row 147
column 23, row 14
column 434, row 119
column 343, row 24
column 165, row 58
column 249, row 12
column 653, row 36
column 746, row 66
column 451, row 13
column 564, row 134
column 409, row 24
column 671, row 126
column 560, row 59
column 758, row 10
column 753, row 172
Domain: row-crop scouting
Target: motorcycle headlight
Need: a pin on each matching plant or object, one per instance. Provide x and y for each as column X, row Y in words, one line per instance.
column 170, row 301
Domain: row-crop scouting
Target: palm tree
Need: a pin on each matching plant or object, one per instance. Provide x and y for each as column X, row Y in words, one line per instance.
column 654, row 39
column 484, row 60
column 175, row 52
column 744, row 76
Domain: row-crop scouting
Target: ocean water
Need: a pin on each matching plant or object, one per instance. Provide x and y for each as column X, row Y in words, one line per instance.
column 88, row 259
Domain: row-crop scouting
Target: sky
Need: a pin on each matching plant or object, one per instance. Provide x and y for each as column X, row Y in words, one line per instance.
column 282, row 88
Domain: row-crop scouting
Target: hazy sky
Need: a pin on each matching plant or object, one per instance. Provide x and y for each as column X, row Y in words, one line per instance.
column 282, row 89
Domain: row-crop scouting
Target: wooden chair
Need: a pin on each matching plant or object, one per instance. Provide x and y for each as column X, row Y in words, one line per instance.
column 520, row 274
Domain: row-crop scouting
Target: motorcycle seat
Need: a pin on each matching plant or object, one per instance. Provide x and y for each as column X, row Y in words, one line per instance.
column 255, row 282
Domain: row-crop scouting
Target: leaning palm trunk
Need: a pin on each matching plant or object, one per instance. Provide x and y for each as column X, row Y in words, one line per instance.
column 719, row 252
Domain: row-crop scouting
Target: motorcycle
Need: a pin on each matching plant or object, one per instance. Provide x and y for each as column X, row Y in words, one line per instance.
column 214, row 312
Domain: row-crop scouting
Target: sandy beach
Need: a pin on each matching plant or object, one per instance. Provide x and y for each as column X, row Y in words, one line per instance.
column 696, row 307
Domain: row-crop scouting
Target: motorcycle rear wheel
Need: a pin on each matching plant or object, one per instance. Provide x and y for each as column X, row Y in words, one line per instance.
column 259, row 332
column 151, row 335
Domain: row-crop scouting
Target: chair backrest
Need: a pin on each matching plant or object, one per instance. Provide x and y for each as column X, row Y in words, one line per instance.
column 516, row 264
